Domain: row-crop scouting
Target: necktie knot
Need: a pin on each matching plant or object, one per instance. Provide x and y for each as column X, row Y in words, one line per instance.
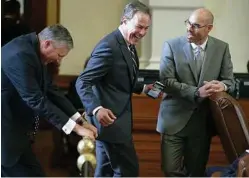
column 198, row 50
column 131, row 48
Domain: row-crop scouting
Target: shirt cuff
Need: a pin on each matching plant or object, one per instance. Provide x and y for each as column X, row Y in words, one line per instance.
column 144, row 88
column 75, row 116
column 69, row 126
column 96, row 109
column 225, row 86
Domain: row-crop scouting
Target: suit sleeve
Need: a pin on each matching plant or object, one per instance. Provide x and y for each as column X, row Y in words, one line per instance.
column 21, row 71
column 168, row 74
column 138, row 88
column 98, row 66
column 226, row 71
column 58, row 98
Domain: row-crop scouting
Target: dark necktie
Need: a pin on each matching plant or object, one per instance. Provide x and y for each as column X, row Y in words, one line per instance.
column 132, row 50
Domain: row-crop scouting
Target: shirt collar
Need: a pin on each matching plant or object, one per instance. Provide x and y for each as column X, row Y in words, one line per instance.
column 121, row 31
column 203, row 45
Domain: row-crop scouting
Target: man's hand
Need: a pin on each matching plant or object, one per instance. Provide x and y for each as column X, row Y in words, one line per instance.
column 92, row 128
column 84, row 132
column 206, row 90
column 105, row 117
column 149, row 87
column 216, row 85
column 211, row 87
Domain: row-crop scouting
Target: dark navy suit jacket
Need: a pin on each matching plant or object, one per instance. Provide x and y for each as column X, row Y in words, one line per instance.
column 26, row 91
column 109, row 81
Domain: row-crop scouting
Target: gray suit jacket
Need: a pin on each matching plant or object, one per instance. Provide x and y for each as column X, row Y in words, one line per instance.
column 178, row 74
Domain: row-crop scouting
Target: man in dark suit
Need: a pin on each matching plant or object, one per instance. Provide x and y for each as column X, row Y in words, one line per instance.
column 105, row 88
column 27, row 94
column 192, row 67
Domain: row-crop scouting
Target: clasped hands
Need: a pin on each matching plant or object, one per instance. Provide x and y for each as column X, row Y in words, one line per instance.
column 210, row 88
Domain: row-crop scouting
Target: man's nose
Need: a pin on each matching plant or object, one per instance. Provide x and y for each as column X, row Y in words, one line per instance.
column 189, row 28
column 143, row 32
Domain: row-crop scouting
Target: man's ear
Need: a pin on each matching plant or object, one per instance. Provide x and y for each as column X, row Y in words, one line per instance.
column 210, row 27
column 47, row 43
column 123, row 20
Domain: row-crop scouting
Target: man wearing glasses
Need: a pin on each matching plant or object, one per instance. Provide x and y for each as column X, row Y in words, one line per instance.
column 192, row 68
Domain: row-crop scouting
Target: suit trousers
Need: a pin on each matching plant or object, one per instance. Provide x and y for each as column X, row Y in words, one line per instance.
column 186, row 152
column 26, row 166
column 116, row 160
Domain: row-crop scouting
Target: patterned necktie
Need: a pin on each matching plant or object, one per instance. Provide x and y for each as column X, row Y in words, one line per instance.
column 132, row 50
column 199, row 59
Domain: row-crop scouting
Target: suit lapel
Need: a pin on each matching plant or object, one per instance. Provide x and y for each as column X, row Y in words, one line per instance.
column 190, row 57
column 41, row 72
column 126, row 53
column 210, row 49
column 127, row 58
column 45, row 78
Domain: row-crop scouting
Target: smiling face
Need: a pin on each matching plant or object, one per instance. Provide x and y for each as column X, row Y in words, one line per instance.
column 199, row 24
column 136, row 28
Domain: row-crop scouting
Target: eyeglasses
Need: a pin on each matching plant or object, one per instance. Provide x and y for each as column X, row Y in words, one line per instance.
column 195, row 26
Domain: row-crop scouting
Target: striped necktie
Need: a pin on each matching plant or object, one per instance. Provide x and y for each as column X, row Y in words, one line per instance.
column 199, row 55
column 132, row 50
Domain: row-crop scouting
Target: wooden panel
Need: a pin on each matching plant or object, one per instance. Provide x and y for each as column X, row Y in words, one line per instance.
column 35, row 14
column 63, row 81
column 145, row 112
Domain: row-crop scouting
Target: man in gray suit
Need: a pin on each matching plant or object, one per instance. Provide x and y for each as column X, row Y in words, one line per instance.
column 192, row 68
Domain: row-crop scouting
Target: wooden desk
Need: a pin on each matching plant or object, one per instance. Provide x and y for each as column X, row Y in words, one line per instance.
column 147, row 140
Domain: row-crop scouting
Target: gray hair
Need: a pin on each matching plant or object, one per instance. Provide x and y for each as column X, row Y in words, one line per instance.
column 132, row 8
column 58, row 34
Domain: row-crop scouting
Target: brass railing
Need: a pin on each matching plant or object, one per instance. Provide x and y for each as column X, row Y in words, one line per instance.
column 86, row 161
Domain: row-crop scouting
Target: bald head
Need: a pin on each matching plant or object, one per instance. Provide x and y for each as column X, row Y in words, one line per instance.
column 199, row 24
column 203, row 15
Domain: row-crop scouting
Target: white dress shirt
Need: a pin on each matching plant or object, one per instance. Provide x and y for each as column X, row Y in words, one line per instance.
column 69, row 126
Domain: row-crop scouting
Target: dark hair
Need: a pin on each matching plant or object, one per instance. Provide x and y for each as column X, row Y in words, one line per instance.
column 132, row 8
column 11, row 7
